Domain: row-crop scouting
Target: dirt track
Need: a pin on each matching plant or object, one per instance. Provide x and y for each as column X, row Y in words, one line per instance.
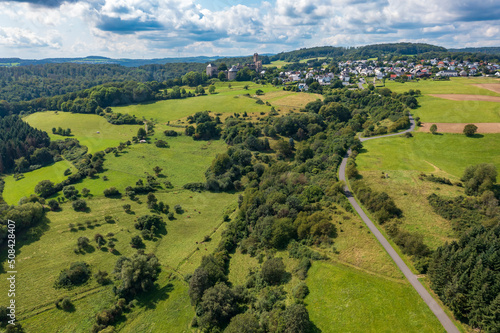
column 459, row 127
column 460, row 97
column 490, row 86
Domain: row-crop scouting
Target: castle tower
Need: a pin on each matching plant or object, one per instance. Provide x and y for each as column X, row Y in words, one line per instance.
column 255, row 57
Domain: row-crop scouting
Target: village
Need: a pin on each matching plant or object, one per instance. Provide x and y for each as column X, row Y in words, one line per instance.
column 350, row 72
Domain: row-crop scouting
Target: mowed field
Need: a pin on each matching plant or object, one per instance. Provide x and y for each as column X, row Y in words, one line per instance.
column 440, row 110
column 456, row 85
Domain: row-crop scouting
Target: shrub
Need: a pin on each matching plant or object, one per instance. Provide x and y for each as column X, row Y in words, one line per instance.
column 136, row 242
column 111, row 192
column 162, row 144
column 470, row 129
column 300, row 291
column 170, row 133
column 273, row 271
column 178, row 209
column 102, row 277
column 70, row 192
column 77, row 274
column 79, row 205
column 53, row 204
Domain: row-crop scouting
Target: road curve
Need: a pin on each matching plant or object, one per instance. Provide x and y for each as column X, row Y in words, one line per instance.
column 436, row 309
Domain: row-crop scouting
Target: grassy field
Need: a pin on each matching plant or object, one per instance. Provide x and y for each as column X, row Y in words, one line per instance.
column 202, row 216
column 439, row 110
column 16, row 189
column 343, row 299
column 403, row 160
column 451, row 153
column 184, row 162
column 226, row 100
column 91, row 130
column 277, row 63
column 457, row 85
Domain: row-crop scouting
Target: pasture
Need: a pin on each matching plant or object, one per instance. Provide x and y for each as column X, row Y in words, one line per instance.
column 184, row 162
column 402, row 159
column 456, row 85
column 225, row 100
column 91, row 130
column 16, row 189
column 344, row 299
column 451, row 153
column 184, row 236
column 440, row 110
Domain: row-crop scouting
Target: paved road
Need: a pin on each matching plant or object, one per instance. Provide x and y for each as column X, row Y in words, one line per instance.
column 412, row 127
column 436, row 309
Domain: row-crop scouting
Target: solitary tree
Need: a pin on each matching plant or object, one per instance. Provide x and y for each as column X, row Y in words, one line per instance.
column 157, row 170
column 211, row 89
column 433, row 128
column 141, row 133
column 470, row 129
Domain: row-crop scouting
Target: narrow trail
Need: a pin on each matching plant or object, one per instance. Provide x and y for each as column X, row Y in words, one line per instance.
column 412, row 278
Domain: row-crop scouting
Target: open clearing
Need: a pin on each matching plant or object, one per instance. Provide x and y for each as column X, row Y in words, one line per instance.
column 463, row 97
column 459, row 127
column 16, row 189
column 451, row 153
column 343, row 299
column 91, row 130
column 229, row 98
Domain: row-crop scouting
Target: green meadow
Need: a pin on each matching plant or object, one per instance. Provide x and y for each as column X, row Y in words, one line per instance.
column 16, row 189
column 182, row 242
column 91, row 130
column 225, row 100
column 344, row 299
column 451, row 153
column 440, row 110
column 456, row 85
column 402, row 159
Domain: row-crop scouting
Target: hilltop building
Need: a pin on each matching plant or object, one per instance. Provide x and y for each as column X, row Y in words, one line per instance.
column 230, row 74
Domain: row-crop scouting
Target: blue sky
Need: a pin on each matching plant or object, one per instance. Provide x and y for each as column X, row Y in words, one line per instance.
column 172, row 28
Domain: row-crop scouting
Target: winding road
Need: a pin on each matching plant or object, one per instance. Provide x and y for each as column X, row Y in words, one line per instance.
column 412, row 278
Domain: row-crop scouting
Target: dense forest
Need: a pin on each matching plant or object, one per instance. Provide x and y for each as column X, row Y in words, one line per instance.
column 362, row 52
column 24, row 83
column 396, row 51
column 22, row 145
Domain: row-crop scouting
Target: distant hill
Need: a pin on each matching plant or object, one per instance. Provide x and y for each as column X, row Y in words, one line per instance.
column 487, row 50
column 361, row 52
column 104, row 60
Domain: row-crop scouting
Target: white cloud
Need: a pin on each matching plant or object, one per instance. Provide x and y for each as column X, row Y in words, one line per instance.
column 170, row 27
column 17, row 37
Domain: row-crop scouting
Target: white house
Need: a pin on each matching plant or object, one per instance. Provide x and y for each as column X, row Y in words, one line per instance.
column 303, row 87
column 447, row 73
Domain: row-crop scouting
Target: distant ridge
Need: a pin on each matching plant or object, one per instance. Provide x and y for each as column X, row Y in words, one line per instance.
column 487, row 50
column 104, row 60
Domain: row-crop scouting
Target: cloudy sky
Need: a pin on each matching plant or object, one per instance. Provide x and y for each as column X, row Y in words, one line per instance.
column 172, row 28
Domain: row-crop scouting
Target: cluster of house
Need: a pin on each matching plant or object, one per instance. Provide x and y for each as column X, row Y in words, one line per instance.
column 411, row 70
column 393, row 70
column 230, row 74
column 365, row 68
